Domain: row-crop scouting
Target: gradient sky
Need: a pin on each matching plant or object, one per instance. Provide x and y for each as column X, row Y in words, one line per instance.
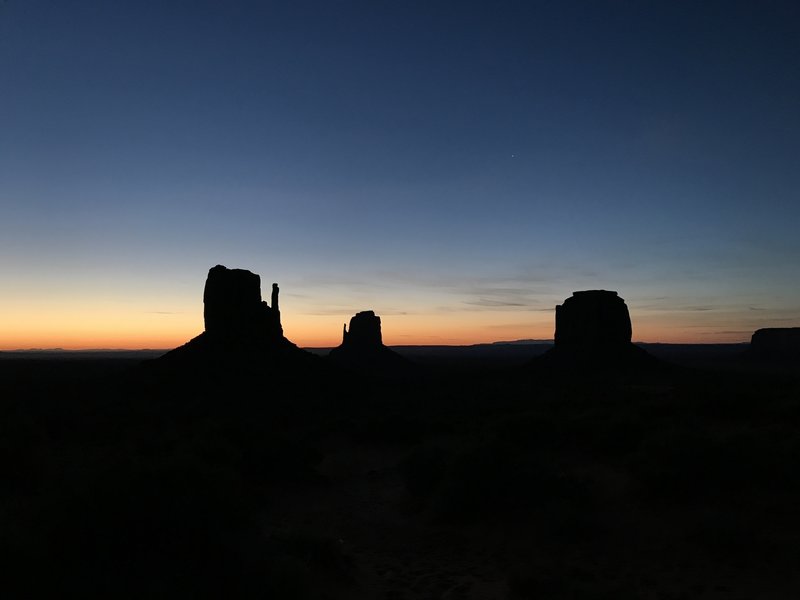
column 459, row 167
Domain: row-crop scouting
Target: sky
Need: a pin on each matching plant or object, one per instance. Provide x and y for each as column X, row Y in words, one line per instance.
column 458, row 167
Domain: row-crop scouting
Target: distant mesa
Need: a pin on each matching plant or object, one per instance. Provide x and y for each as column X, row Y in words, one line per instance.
column 362, row 347
column 777, row 343
column 239, row 325
column 593, row 330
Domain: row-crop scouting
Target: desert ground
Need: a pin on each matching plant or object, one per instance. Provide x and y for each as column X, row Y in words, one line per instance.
column 497, row 480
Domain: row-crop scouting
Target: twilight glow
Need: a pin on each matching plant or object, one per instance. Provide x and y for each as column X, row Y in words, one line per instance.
column 458, row 167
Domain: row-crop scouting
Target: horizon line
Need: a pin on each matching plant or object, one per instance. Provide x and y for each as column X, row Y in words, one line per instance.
column 495, row 343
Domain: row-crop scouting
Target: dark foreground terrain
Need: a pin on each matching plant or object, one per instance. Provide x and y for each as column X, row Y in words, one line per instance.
column 122, row 481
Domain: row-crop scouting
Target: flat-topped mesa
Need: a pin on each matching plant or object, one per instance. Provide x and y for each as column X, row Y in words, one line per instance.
column 365, row 331
column 593, row 337
column 233, row 309
column 776, row 343
column 592, row 319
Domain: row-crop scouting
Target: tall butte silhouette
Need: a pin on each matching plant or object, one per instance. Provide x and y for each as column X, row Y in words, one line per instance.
column 240, row 328
column 362, row 348
column 593, row 332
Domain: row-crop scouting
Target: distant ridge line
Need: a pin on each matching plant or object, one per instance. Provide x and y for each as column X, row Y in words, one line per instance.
column 524, row 342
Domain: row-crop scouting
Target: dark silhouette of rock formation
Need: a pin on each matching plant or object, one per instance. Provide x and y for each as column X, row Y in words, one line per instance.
column 592, row 318
column 365, row 331
column 593, row 331
column 778, row 343
column 275, row 306
column 240, row 328
column 362, row 347
column 233, row 309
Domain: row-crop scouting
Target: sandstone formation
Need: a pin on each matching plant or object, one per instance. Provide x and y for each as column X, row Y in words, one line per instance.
column 592, row 318
column 241, row 330
column 779, row 343
column 593, row 332
column 365, row 331
column 362, row 347
column 233, row 308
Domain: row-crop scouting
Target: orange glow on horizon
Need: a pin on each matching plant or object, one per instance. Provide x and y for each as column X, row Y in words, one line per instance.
column 152, row 332
column 75, row 325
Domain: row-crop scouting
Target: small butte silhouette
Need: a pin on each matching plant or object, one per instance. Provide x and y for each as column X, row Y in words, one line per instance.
column 362, row 348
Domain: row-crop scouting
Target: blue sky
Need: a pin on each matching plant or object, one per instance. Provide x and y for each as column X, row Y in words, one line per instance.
column 459, row 167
